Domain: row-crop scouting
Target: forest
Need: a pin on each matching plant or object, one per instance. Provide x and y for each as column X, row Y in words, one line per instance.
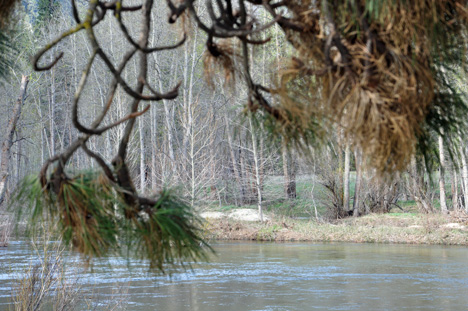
column 295, row 108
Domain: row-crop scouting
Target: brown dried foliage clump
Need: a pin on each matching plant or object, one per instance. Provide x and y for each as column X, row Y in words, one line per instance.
column 372, row 72
column 222, row 57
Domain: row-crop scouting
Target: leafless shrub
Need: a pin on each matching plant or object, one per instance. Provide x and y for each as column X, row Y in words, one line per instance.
column 44, row 283
column 381, row 195
column 47, row 284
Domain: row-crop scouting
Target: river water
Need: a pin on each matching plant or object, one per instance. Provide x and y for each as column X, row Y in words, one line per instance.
column 286, row 276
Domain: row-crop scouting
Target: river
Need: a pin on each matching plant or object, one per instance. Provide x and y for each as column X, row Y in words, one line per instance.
column 277, row 276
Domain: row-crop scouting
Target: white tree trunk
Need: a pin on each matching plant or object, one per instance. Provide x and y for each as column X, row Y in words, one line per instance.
column 464, row 177
column 257, row 169
column 142, row 155
column 443, row 201
column 154, row 147
column 51, row 117
column 346, row 178
column 455, row 187
column 171, row 169
column 188, row 92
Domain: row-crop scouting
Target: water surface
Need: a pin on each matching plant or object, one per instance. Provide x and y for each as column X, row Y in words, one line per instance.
column 287, row 276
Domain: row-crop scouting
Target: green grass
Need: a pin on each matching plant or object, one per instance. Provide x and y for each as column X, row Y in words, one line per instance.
column 399, row 214
column 311, row 194
column 295, row 208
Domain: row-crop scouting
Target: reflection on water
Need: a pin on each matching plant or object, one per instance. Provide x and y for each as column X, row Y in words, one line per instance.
column 290, row 276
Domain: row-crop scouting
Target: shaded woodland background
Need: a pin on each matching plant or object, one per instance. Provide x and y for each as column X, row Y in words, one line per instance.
column 205, row 143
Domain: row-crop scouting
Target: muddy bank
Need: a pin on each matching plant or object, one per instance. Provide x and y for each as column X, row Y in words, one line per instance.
column 388, row 228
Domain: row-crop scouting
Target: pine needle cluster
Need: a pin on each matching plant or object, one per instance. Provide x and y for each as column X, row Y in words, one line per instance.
column 92, row 216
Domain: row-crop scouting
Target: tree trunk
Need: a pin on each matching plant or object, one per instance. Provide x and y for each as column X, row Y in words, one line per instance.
column 169, row 172
column 52, row 106
column 289, row 173
column 419, row 191
column 464, row 177
column 357, row 188
column 257, row 169
column 443, row 201
column 142, row 154
column 346, row 178
column 234, row 161
column 6, row 146
column 244, row 176
column 188, row 92
column 154, row 148
column 18, row 156
column 454, row 187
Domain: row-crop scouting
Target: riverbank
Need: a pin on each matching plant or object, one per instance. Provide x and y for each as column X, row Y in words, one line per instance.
column 403, row 228
column 406, row 228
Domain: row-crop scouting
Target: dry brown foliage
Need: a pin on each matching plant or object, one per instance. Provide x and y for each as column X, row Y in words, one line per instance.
column 223, row 56
column 371, row 73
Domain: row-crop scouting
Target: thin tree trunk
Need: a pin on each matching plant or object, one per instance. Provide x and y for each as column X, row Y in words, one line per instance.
column 357, row 188
column 213, row 187
column 285, row 169
column 154, row 147
column 234, row 161
column 455, row 187
column 52, row 114
column 419, row 191
column 6, row 146
column 464, row 177
column 443, row 201
column 244, row 176
column 289, row 173
column 339, row 180
column 142, row 154
column 18, row 156
column 192, row 159
column 257, row 169
column 153, row 120
column 188, row 93
column 169, row 120
column 346, row 178
column 292, row 178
